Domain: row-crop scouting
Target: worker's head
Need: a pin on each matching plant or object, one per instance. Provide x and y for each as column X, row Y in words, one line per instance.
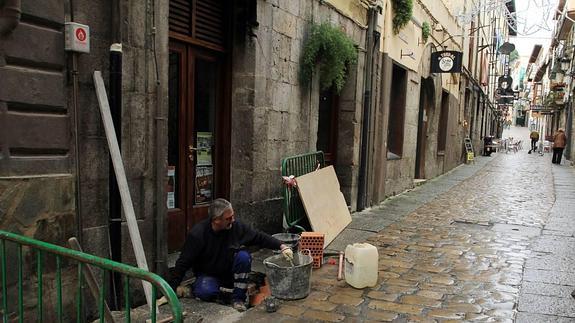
column 221, row 214
column 561, row 130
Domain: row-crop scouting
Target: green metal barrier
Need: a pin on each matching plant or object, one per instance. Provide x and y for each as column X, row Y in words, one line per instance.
column 82, row 259
column 297, row 166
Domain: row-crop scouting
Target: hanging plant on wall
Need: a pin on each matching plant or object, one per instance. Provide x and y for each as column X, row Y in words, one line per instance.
column 402, row 10
column 332, row 51
column 425, row 31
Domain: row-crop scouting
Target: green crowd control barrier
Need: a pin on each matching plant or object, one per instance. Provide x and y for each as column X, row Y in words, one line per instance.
column 43, row 249
column 293, row 209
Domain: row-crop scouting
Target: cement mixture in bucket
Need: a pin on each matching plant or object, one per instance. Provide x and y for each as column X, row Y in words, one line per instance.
column 287, row 281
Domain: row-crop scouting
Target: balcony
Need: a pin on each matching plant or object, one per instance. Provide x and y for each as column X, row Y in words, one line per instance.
column 564, row 25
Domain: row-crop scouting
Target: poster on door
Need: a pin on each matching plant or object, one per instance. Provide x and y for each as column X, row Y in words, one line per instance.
column 204, row 175
column 171, row 188
column 204, row 149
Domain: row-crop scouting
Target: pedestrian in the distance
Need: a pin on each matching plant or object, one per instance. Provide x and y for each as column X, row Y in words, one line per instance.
column 534, row 139
column 559, row 141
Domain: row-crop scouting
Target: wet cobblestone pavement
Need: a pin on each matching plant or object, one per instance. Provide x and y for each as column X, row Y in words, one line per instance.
column 476, row 252
column 493, row 244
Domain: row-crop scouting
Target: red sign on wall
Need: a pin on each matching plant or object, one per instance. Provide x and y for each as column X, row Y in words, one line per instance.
column 77, row 37
column 81, row 34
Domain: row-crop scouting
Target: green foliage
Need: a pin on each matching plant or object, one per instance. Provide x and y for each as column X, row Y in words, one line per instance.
column 333, row 51
column 425, row 31
column 402, row 10
column 514, row 55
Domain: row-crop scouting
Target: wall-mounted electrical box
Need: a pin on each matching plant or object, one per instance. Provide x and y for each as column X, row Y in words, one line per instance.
column 77, row 37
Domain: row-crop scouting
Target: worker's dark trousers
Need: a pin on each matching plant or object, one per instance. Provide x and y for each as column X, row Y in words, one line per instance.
column 241, row 269
column 207, row 288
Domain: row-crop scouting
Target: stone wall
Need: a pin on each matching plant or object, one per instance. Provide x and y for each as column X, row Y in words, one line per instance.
column 139, row 112
column 143, row 128
column 274, row 116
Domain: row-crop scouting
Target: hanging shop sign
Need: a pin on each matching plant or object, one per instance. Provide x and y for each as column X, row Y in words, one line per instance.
column 505, row 82
column 446, row 61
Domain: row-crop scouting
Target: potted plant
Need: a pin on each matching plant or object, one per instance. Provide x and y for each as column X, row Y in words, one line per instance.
column 402, row 10
column 330, row 50
column 425, row 31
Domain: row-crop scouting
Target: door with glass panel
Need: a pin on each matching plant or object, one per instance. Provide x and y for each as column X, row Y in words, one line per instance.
column 196, row 138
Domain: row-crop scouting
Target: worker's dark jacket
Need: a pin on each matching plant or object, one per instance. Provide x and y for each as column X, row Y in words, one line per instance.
column 211, row 253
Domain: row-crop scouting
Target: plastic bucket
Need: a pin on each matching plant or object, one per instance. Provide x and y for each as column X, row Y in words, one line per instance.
column 287, row 281
column 290, row 239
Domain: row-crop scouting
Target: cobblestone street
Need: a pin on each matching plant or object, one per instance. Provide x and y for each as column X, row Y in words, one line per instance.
column 491, row 242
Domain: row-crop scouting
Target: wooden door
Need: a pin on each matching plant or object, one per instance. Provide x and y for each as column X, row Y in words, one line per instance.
column 426, row 98
column 196, row 135
column 327, row 129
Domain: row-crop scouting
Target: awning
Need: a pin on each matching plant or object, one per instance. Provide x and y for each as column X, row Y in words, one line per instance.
column 535, row 53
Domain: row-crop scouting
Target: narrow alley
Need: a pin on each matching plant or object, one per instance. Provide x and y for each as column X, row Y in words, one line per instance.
column 490, row 241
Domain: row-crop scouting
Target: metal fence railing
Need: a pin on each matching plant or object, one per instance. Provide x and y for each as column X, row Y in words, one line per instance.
column 81, row 259
column 299, row 165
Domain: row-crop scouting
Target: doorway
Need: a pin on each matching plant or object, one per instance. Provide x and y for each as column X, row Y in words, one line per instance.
column 197, row 138
column 426, row 100
column 327, row 129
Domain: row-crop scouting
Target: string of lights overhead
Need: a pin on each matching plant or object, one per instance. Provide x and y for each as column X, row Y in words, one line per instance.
column 525, row 23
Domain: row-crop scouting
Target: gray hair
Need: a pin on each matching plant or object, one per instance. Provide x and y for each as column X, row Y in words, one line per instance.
column 218, row 207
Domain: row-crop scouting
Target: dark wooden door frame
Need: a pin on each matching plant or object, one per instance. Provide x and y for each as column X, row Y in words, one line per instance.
column 177, row 217
column 188, row 209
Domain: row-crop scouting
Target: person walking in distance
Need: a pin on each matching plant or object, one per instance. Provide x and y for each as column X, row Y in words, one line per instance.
column 534, row 136
column 559, row 141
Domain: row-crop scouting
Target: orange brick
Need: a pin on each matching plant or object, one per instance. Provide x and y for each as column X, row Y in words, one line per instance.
column 313, row 241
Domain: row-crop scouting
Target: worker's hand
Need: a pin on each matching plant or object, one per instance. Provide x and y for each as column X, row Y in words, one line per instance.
column 287, row 253
column 183, row 291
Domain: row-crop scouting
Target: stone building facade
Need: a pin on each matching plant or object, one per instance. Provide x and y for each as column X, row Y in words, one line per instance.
column 209, row 107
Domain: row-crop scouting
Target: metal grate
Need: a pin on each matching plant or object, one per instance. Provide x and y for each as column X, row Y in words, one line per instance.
column 297, row 166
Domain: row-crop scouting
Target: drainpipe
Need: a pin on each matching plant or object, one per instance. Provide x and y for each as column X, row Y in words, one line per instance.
column 366, row 120
column 161, row 122
column 9, row 16
column 114, row 199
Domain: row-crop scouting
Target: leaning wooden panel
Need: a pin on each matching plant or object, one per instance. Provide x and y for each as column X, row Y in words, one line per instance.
column 324, row 203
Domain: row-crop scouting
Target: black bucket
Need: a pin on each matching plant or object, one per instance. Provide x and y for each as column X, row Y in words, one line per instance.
column 289, row 239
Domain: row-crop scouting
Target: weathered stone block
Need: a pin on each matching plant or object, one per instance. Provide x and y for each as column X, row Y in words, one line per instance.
column 51, row 10
column 136, row 142
column 241, row 189
column 41, row 88
column 291, row 6
column 284, row 22
column 94, row 203
column 35, row 44
column 278, row 125
column 282, row 95
column 263, row 215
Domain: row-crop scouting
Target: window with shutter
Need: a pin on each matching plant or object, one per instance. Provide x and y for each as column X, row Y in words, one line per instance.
column 201, row 22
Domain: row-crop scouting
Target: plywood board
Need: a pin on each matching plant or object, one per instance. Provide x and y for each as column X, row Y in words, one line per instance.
column 324, row 203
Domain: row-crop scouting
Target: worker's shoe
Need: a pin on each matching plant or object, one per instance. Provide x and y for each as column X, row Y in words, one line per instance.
column 239, row 306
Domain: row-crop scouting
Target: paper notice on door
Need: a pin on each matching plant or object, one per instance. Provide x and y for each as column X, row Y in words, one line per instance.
column 204, row 149
column 171, row 188
column 204, row 184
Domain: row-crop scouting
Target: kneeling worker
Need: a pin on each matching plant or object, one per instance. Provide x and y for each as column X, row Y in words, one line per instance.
column 213, row 249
